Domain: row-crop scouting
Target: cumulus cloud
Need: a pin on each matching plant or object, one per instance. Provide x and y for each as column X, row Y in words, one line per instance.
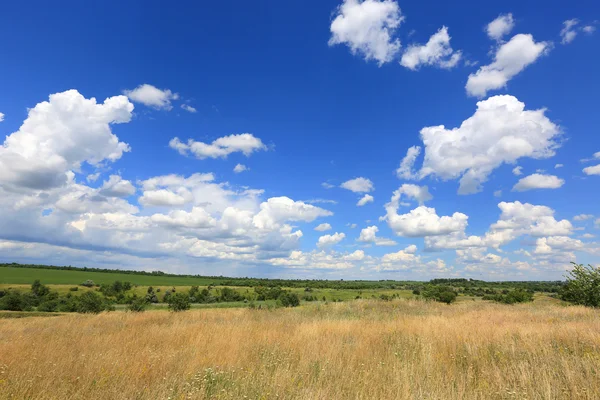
column 500, row 27
column 245, row 143
column 189, row 108
column 568, row 32
column 116, row 186
column 436, row 52
column 510, row 59
column 405, row 170
column 367, row 198
column 589, row 29
column 93, row 177
column 538, row 181
column 582, row 217
column 323, row 227
column 278, row 209
column 58, row 136
column 369, row 235
column 330, row 240
column 367, row 27
column 500, row 131
column 595, row 170
column 152, row 96
column 359, row 185
column 517, row 171
column 415, row 192
column 423, row 221
column 240, row 168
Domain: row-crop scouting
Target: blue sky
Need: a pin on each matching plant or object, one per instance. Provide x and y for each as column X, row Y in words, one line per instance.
column 319, row 104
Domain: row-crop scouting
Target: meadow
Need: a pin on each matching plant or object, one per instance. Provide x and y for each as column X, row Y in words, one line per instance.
column 364, row 349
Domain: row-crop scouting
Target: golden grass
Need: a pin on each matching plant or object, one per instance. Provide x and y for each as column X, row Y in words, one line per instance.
column 358, row 350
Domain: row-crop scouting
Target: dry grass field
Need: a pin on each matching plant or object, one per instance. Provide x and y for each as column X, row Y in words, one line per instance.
column 403, row 349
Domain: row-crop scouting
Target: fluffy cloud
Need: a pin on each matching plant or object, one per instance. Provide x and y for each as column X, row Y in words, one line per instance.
column 538, row 181
column 367, row 198
column 517, row 171
column 278, row 209
column 595, row 170
column 568, row 32
column 59, row 135
column 320, row 260
column 369, row 235
column 500, row 131
column 240, row 168
column 1, row 117
column 436, row 52
column 423, row 221
column 404, row 171
column 367, row 28
column 415, row 192
column 523, row 218
column 117, row 187
column 510, row 59
column 245, row 143
column 547, row 245
column 403, row 256
column 500, row 27
column 358, row 185
column 589, row 29
column 189, row 108
column 582, row 217
column 330, row 240
column 323, row 227
column 151, row 96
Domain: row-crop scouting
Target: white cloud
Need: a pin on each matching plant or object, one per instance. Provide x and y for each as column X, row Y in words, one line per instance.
column 327, row 185
column 358, row 185
column 279, row 209
column 547, row 245
column 423, row 221
column 415, row 192
column 245, row 143
column 588, row 236
column 117, row 187
column 582, row 217
column 1, row 117
column 367, row 28
column 510, row 59
column 240, row 168
column 436, row 52
column 404, row 171
column 500, row 27
column 595, row 170
column 403, row 256
column 538, row 181
column 93, row 177
column 320, row 201
column 320, row 260
column 497, row 193
column 589, row 29
column 151, row 96
column 523, row 218
column 500, row 131
column 323, row 227
column 517, row 171
column 568, row 32
column 558, row 166
column 367, row 198
column 369, row 235
column 330, row 240
column 189, row 108
column 58, row 136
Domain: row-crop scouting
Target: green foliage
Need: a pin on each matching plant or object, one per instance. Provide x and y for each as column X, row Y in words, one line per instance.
column 137, row 304
column 179, row 302
column 38, row 289
column 511, row 297
column 268, row 293
column 443, row 294
column 91, row 303
column 583, row 286
column 289, row 299
column 15, row 301
column 88, row 283
column 228, row 294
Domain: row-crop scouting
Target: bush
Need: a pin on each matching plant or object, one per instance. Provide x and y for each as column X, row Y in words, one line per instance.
column 179, row 302
column 74, row 289
column 583, row 286
column 288, row 299
column 443, row 294
column 90, row 303
column 137, row 304
column 15, row 301
column 38, row 289
column 88, row 283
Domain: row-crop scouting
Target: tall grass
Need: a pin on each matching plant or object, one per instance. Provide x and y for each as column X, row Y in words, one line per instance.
column 358, row 350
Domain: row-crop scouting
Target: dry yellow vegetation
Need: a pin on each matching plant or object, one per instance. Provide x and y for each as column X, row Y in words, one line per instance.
column 404, row 349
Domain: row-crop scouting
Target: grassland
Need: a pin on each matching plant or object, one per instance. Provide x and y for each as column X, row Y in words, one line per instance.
column 364, row 349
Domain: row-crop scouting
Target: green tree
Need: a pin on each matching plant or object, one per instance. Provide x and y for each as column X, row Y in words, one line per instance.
column 90, row 302
column 288, row 299
column 583, row 286
column 179, row 302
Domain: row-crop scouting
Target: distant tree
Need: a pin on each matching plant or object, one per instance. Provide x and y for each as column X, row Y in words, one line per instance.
column 289, row 299
column 38, row 289
column 90, row 302
column 137, row 304
column 443, row 294
column 179, row 302
column 583, row 286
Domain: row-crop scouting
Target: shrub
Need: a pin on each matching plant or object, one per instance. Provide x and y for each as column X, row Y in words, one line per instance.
column 15, row 301
column 38, row 289
column 48, row 306
column 443, row 294
column 288, row 299
column 137, row 304
column 74, row 289
column 179, row 302
column 416, row 292
column 583, row 286
column 90, row 302
column 88, row 283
